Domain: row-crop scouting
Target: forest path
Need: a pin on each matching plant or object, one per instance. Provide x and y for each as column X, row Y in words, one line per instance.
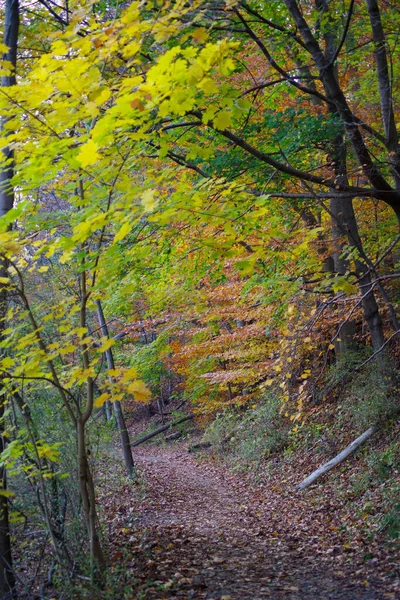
column 197, row 533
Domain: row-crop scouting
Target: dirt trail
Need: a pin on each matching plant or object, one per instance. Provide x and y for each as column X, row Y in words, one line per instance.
column 195, row 534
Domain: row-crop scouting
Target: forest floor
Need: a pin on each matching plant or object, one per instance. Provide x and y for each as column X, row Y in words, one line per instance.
column 190, row 528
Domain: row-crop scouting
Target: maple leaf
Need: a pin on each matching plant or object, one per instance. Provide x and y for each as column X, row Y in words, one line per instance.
column 139, row 390
column 101, row 400
column 88, row 154
column 222, row 120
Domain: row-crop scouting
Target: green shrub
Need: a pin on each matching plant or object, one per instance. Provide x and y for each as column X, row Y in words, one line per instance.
column 368, row 396
column 372, row 397
column 252, row 436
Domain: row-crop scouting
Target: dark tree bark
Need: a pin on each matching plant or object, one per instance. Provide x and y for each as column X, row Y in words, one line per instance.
column 119, row 415
column 385, row 89
column 344, row 223
column 10, row 39
column 334, row 94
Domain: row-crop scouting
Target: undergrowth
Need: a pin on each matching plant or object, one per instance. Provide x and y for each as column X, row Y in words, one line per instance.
column 370, row 396
column 249, row 438
column 252, row 436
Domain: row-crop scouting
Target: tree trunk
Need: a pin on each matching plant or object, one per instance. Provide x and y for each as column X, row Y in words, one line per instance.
column 10, row 39
column 344, row 220
column 385, row 89
column 7, row 580
column 335, row 263
column 86, row 486
column 119, row 415
column 369, row 303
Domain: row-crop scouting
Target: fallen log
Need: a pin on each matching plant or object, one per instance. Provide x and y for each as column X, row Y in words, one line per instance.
column 199, row 446
column 337, row 460
column 225, row 440
column 160, row 430
column 173, row 436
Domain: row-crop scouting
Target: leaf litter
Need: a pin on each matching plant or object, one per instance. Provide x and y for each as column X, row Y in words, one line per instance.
column 192, row 529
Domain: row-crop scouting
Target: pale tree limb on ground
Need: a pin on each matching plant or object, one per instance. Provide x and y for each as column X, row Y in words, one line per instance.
column 338, row 459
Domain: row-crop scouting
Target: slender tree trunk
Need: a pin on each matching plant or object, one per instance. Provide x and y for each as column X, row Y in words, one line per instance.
column 160, row 402
column 10, row 39
column 369, row 303
column 119, row 415
column 7, row 580
column 385, row 89
column 87, row 491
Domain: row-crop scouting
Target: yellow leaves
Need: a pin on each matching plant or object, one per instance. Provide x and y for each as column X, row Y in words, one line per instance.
column 6, row 493
column 306, row 374
column 79, row 331
column 106, row 345
column 9, row 245
column 132, row 15
column 222, row 120
column 49, row 451
column 88, row 154
column 91, row 223
column 67, row 349
column 148, row 200
column 66, row 257
column 139, row 391
column 41, row 92
column 6, row 68
column 227, row 66
column 6, row 363
column 123, row 231
column 131, row 49
column 208, row 86
column 113, row 372
column 129, row 374
column 79, row 376
column 100, row 400
column 124, row 385
column 200, row 35
column 102, row 97
column 341, row 284
column 91, row 109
